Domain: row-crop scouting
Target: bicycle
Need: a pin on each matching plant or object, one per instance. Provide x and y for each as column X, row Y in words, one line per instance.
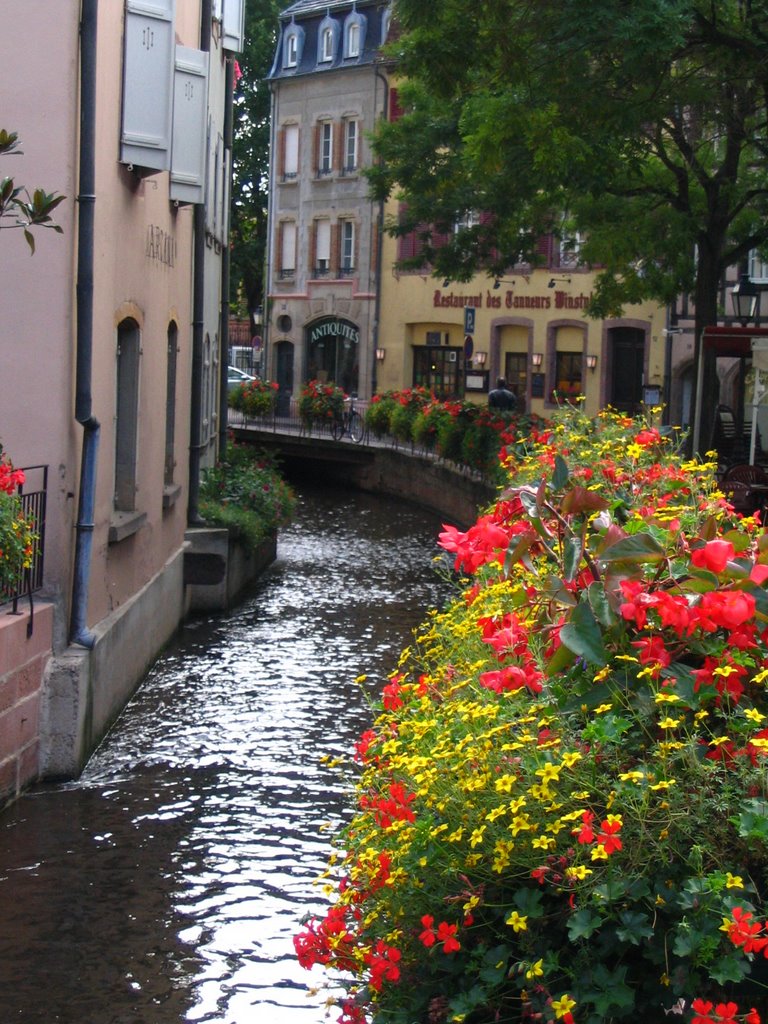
column 349, row 422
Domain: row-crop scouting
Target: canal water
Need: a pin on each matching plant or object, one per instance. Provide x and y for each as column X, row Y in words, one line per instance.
column 166, row 884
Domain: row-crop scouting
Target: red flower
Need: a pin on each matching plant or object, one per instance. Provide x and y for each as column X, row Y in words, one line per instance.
column 428, row 935
column 702, row 1010
column 714, row 555
column 586, row 833
column 446, row 933
column 608, row 837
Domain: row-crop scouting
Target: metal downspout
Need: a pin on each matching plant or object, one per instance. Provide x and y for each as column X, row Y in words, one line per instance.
column 79, row 632
column 198, row 324
column 379, row 255
column 229, row 85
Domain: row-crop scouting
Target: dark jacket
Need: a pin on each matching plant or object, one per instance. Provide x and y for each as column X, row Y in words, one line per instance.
column 502, row 398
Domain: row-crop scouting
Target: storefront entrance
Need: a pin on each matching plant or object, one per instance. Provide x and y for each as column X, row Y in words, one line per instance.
column 627, row 347
column 333, row 353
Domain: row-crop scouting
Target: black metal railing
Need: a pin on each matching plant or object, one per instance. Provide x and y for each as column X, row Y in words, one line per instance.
column 34, row 494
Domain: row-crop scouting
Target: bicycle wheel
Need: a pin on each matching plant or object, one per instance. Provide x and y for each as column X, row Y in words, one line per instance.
column 337, row 428
column 356, row 427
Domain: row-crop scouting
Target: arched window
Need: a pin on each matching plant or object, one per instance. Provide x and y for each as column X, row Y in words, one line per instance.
column 326, row 40
column 127, row 413
column 354, row 35
column 170, row 404
column 293, row 46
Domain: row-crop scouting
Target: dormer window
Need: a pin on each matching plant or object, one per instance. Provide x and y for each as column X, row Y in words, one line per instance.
column 326, row 45
column 293, row 45
column 327, row 41
column 386, row 21
column 354, row 35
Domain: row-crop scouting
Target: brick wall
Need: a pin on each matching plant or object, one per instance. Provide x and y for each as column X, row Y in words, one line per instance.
column 22, row 664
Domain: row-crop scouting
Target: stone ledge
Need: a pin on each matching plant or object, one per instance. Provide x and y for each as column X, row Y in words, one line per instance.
column 125, row 524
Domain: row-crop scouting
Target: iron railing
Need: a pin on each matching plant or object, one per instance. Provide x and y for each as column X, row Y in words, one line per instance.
column 34, row 494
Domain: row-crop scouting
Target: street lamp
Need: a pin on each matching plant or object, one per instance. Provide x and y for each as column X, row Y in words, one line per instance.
column 745, row 300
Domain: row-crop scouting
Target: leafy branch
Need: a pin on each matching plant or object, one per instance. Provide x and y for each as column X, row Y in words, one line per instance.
column 17, row 208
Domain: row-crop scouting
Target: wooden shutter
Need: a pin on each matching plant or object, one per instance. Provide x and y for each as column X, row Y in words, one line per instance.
column 148, row 71
column 232, row 25
column 190, row 109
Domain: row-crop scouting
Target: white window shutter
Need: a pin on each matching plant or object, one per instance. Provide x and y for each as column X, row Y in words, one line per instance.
column 232, row 25
column 148, row 83
column 323, row 240
column 291, row 150
column 190, row 107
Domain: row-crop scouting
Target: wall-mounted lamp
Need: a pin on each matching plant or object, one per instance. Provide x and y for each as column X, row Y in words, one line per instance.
column 591, row 362
column 446, row 282
column 499, row 281
column 536, row 359
column 553, row 281
column 380, row 353
column 479, row 358
column 745, row 300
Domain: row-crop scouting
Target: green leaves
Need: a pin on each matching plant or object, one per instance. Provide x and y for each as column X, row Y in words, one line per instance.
column 17, row 208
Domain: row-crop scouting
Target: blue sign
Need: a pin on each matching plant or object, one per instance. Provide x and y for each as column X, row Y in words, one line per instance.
column 469, row 320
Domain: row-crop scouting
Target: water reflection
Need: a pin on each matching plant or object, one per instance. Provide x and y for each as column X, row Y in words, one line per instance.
column 166, row 885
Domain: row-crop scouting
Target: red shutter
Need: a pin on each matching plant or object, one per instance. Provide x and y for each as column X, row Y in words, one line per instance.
column 545, row 250
column 281, row 154
column 395, row 110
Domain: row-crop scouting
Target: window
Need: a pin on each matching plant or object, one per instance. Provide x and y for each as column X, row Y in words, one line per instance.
column 437, row 369
column 322, row 247
column 127, row 411
column 170, row 405
column 352, row 48
column 347, row 238
column 568, row 370
column 325, row 149
column 570, row 248
column 290, row 152
column 206, row 391
column 287, row 260
column 350, row 146
column 516, row 376
column 293, row 45
column 470, row 220
column 758, row 267
column 326, row 45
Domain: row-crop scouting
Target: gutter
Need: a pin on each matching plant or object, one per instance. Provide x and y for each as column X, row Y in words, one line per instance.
column 229, row 99
column 198, row 324
column 78, row 631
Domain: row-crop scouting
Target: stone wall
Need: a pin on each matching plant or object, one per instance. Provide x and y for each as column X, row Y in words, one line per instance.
column 22, row 664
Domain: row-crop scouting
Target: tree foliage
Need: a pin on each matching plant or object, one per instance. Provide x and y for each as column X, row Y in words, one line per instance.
column 248, row 233
column 17, row 208
column 639, row 123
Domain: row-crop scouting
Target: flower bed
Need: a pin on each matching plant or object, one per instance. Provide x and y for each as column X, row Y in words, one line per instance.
column 320, row 403
column 246, row 494
column 254, row 397
column 561, row 806
column 17, row 539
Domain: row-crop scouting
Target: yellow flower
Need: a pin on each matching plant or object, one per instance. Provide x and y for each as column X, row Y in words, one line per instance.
column 535, row 970
column 632, row 776
column 602, row 708
column 580, row 872
column 754, row 715
column 565, row 1004
column 517, row 922
column 733, row 881
column 599, row 853
column 477, row 836
column 664, row 784
column 663, row 697
column 669, row 723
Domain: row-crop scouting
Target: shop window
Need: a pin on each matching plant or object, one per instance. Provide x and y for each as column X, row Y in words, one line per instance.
column 568, row 376
column 438, row 370
column 127, row 412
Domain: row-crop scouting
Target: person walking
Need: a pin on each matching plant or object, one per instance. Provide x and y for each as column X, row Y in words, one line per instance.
column 501, row 397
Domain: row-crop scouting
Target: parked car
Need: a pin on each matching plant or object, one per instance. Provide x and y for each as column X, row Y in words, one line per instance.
column 235, row 377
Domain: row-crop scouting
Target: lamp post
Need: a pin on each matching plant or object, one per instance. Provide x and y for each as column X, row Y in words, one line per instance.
column 745, row 297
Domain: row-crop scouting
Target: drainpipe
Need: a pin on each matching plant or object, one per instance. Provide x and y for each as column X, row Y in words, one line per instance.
column 198, row 322
column 78, row 631
column 229, row 98
column 379, row 255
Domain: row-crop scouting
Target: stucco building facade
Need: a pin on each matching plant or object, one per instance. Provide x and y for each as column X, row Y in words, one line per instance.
column 109, row 342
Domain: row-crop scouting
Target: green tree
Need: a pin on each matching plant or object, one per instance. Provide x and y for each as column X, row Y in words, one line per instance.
column 17, row 208
column 248, row 234
column 640, row 124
